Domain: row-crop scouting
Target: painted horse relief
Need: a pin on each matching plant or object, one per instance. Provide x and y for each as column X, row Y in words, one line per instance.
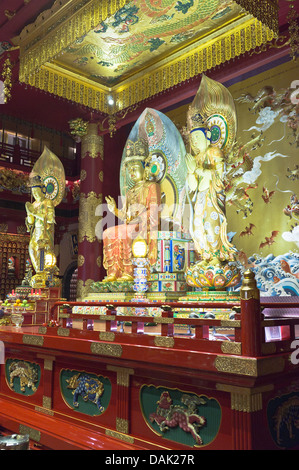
column 283, row 420
column 28, row 375
column 185, row 418
column 168, row 415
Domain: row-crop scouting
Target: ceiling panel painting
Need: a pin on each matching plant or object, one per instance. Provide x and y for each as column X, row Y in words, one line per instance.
column 141, row 33
column 124, row 52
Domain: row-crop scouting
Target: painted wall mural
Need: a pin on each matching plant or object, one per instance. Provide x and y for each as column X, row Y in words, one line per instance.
column 268, row 106
column 262, row 188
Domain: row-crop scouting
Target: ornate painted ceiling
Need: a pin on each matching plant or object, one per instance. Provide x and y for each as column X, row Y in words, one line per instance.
column 142, row 33
column 111, row 55
column 38, row 33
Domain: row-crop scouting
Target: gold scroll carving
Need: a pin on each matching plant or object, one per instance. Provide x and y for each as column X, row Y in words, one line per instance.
column 87, row 217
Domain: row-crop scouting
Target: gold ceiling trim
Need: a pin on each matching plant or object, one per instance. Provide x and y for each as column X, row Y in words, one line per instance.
column 229, row 45
column 52, row 33
column 265, row 11
column 225, row 47
column 67, row 85
column 45, row 42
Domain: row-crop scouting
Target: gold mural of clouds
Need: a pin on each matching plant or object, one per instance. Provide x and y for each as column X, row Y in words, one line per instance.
column 273, row 162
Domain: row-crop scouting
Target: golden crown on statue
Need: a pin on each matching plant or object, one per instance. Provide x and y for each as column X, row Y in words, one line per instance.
column 137, row 150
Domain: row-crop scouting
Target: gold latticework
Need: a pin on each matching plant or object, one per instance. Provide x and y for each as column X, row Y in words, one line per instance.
column 87, row 218
column 265, row 11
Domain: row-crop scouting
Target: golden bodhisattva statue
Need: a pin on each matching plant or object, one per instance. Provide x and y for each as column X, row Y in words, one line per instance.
column 212, row 129
column 47, row 182
column 40, row 223
column 139, row 214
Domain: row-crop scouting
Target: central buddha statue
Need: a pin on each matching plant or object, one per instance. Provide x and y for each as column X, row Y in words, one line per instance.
column 139, row 214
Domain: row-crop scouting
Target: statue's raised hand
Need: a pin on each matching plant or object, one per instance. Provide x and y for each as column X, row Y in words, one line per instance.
column 111, row 204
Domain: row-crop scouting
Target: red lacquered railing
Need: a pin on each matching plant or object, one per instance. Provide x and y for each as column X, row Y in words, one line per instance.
column 247, row 329
column 195, row 330
column 285, row 326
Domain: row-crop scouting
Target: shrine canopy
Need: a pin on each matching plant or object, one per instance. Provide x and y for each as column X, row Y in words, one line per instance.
column 112, row 55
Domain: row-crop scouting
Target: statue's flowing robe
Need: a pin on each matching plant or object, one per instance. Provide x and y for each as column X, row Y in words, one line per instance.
column 42, row 229
column 208, row 224
column 141, row 214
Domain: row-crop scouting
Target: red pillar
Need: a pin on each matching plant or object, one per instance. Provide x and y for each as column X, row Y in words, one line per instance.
column 91, row 196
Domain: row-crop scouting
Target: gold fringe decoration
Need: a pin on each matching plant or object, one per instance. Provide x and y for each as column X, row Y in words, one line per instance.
column 292, row 17
column 79, row 17
column 229, row 45
column 71, row 19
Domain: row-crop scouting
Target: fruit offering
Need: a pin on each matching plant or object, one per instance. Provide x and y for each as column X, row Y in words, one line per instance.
column 51, row 323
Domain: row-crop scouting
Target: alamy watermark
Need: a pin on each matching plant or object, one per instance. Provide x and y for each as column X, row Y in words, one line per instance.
column 144, row 218
column 295, row 94
column 2, row 94
column 295, row 353
column 2, row 353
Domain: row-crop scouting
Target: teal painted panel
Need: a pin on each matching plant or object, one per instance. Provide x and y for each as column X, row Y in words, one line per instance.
column 181, row 416
column 283, row 419
column 23, row 377
column 84, row 392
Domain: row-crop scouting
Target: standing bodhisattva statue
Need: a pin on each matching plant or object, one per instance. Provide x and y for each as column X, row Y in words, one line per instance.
column 211, row 123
